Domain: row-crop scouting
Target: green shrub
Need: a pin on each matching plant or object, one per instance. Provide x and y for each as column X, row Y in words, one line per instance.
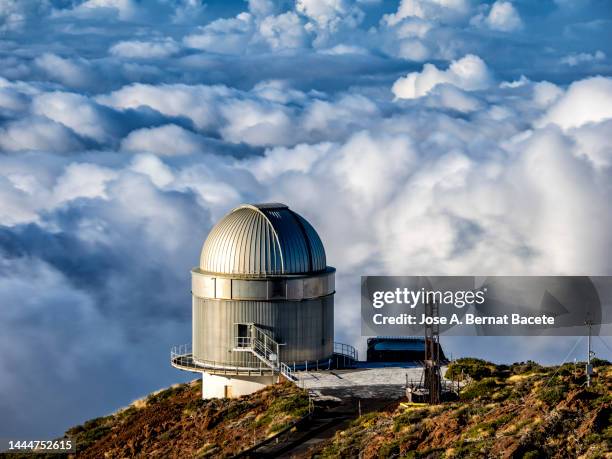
column 236, row 408
column 164, row 394
column 597, row 362
column 278, row 426
column 554, row 393
column 567, row 369
column 195, row 405
column 479, row 389
column 468, row 366
column 492, row 426
column 466, row 412
column 294, row 405
column 365, row 419
column 519, row 368
column 91, row 434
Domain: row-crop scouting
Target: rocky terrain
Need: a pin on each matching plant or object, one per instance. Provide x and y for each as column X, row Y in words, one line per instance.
column 177, row 423
column 517, row 411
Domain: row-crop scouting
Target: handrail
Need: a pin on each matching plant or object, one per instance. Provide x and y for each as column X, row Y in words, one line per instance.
column 260, row 344
column 182, row 355
column 346, row 350
column 287, row 372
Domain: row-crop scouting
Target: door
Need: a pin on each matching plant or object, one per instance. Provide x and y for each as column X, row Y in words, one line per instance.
column 242, row 333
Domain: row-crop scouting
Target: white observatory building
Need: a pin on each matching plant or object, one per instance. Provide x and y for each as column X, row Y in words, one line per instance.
column 263, row 303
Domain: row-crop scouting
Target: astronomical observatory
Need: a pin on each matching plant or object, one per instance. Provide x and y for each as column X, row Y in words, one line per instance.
column 263, row 303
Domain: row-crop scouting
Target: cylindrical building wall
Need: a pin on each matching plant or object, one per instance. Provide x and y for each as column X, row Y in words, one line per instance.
column 304, row 328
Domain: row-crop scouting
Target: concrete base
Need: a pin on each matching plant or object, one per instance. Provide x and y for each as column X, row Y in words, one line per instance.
column 214, row 386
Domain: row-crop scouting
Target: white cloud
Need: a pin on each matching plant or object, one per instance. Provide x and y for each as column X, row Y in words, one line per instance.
column 594, row 142
column 151, row 166
column 342, row 49
column 361, row 167
column 39, row 134
column 77, row 112
column 407, row 39
column 283, row 31
column 586, row 101
column 303, row 158
column 279, row 91
column 227, row 36
column 436, row 10
column 70, row 72
column 325, row 13
column 582, row 58
column 338, row 119
column 14, row 15
column 256, row 123
column 468, row 73
column 559, row 230
column 82, row 180
column 502, row 16
column 165, row 140
column 198, row 103
column 12, row 101
column 545, row 93
column 236, row 116
column 137, row 49
column 125, row 9
column 448, row 96
column 262, row 8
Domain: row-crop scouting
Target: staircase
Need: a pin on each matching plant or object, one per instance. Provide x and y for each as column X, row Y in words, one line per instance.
column 259, row 343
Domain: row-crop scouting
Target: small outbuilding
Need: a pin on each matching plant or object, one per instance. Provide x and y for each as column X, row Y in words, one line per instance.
column 397, row 349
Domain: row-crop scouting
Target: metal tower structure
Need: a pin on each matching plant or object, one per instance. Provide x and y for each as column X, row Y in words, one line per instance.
column 433, row 382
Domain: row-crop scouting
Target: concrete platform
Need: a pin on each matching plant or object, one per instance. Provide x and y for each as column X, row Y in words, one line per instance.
column 366, row 381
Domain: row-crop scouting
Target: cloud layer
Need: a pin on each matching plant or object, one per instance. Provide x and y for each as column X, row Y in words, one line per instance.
column 419, row 137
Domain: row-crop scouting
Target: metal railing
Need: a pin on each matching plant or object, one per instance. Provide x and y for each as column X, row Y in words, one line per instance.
column 180, row 350
column 243, row 342
column 266, row 349
column 287, row 372
column 346, row 350
column 260, row 344
column 181, row 356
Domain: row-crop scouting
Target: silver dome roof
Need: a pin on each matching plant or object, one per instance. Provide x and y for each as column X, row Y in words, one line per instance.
column 260, row 240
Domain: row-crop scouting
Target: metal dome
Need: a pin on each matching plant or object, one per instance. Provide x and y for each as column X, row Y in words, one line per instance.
column 261, row 240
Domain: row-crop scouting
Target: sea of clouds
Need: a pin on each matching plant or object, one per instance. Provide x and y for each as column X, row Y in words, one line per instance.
column 418, row 137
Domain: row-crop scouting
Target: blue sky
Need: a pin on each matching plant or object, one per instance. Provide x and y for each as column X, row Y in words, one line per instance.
column 419, row 137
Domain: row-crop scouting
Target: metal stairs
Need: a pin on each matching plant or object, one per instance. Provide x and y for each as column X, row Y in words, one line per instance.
column 259, row 343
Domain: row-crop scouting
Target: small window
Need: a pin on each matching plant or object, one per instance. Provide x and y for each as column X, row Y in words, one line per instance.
column 276, row 289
